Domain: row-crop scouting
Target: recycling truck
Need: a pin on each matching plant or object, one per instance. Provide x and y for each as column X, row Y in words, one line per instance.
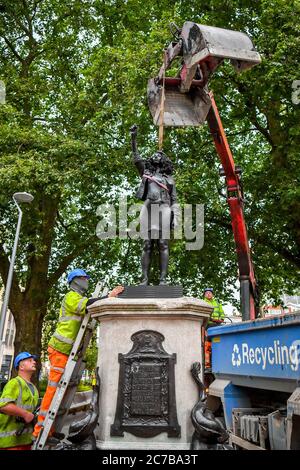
column 256, row 365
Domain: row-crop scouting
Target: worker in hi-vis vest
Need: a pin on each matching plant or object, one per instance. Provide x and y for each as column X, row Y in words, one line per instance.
column 217, row 317
column 18, row 402
column 72, row 311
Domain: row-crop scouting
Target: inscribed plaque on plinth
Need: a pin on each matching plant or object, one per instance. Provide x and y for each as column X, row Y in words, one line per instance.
column 146, row 404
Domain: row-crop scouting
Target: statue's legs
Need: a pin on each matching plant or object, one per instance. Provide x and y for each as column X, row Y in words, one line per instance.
column 163, row 247
column 146, row 261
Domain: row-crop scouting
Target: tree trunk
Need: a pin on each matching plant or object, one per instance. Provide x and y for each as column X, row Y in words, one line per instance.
column 29, row 321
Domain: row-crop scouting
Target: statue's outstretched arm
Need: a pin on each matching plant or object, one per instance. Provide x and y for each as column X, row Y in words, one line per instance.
column 137, row 160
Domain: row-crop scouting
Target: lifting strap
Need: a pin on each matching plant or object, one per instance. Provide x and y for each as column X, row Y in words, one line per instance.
column 162, row 108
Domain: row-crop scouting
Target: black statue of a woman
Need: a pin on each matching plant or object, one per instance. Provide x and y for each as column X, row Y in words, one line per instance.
column 157, row 189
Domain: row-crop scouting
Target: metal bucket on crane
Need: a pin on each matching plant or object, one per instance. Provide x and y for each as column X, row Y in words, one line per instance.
column 180, row 109
column 202, row 49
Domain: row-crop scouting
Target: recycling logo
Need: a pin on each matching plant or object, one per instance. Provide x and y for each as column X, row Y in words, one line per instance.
column 236, row 356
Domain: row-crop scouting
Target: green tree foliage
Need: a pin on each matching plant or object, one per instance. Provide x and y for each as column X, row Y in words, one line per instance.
column 76, row 74
column 91, row 355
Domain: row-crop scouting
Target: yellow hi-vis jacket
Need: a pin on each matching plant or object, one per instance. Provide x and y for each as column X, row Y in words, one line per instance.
column 17, row 391
column 71, row 314
column 217, row 313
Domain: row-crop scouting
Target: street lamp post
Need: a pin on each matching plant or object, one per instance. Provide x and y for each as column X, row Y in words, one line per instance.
column 17, row 197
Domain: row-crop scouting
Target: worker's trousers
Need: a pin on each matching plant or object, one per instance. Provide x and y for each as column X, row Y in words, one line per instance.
column 58, row 363
column 207, row 354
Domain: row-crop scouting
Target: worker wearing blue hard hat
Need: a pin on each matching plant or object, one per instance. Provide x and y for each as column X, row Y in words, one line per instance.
column 208, row 289
column 77, row 273
column 18, row 402
column 21, row 357
column 72, row 311
column 217, row 316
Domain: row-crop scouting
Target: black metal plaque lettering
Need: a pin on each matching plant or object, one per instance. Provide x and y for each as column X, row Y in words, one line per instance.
column 146, row 404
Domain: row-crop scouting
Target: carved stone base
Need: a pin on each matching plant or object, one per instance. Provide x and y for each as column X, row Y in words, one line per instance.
column 146, row 345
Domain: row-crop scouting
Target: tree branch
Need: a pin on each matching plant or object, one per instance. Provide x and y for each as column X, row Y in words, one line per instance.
column 283, row 252
column 66, row 227
column 13, row 50
column 251, row 109
column 263, row 240
column 259, row 127
column 35, row 5
column 23, row 27
column 53, row 278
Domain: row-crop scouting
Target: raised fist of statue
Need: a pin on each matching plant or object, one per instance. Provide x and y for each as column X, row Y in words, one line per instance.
column 133, row 130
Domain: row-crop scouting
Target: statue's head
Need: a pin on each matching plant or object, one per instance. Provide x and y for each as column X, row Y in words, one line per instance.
column 160, row 159
column 156, row 157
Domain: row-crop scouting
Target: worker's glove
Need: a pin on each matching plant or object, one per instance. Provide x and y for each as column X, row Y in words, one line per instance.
column 28, row 418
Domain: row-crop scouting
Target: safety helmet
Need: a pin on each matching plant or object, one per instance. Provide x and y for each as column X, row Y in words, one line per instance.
column 208, row 289
column 21, row 356
column 77, row 273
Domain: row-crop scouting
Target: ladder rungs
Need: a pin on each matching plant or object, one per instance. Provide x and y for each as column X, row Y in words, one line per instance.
column 73, row 371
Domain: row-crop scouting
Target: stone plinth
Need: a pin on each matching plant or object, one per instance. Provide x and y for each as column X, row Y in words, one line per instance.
column 179, row 321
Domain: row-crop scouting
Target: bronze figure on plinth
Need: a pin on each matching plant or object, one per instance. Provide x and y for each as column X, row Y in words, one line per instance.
column 157, row 190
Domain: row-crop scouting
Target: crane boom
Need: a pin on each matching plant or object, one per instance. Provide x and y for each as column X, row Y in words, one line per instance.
column 188, row 102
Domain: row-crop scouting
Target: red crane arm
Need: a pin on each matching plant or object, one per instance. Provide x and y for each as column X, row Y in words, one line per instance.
column 249, row 290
